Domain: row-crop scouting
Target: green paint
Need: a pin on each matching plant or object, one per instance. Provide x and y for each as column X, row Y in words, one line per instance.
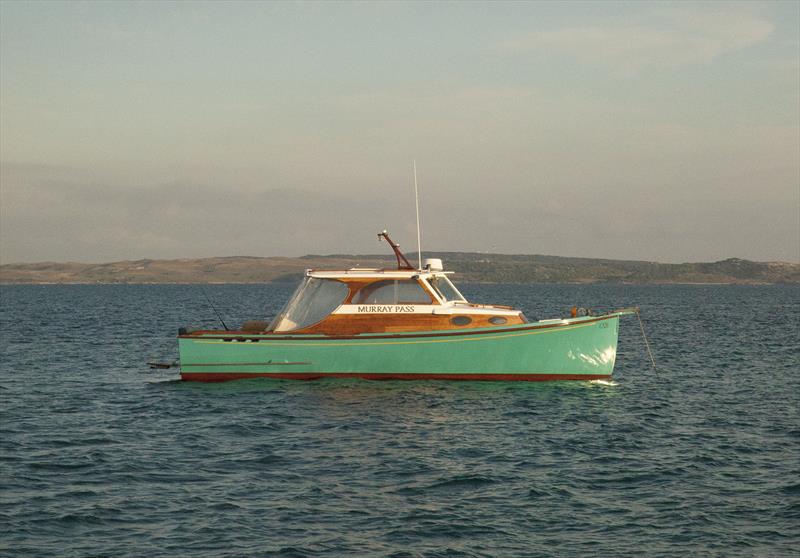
column 580, row 346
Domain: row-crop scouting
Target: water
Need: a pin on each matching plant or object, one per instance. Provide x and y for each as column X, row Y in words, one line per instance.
column 101, row 457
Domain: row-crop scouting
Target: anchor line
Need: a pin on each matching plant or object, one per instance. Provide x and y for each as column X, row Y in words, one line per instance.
column 646, row 342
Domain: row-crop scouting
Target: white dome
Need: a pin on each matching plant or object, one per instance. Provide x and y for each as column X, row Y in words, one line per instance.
column 433, row 264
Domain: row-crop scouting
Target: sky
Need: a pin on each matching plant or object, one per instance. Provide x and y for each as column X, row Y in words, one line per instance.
column 659, row 131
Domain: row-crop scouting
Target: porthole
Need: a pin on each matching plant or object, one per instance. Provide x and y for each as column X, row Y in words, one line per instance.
column 498, row 320
column 460, row 320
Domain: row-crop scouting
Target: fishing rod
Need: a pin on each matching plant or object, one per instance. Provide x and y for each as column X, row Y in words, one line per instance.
column 156, row 365
column 205, row 294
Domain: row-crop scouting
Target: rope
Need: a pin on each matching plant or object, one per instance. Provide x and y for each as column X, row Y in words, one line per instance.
column 646, row 342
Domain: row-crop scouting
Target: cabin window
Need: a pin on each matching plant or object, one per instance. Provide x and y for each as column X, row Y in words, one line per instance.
column 445, row 289
column 460, row 320
column 405, row 291
column 313, row 300
column 498, row 320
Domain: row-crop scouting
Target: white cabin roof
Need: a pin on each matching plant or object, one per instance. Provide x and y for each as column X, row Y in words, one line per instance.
column 368, row 273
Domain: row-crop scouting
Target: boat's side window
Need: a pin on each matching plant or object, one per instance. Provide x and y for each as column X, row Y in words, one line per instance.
column 392, row 292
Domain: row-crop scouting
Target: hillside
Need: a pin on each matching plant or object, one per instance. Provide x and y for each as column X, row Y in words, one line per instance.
column 470, row 267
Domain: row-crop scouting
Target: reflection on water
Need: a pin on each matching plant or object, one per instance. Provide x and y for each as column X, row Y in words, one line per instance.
column 609, row 383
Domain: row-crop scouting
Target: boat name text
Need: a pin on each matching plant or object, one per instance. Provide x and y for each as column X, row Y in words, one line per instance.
column 385, row 309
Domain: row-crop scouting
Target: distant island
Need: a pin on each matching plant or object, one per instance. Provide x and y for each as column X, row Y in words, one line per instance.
column 470, row 267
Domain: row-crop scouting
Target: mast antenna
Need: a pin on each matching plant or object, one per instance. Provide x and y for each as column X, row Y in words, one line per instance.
column 416, row 199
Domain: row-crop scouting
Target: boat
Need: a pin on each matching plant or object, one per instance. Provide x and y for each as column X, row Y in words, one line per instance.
column 408, row 323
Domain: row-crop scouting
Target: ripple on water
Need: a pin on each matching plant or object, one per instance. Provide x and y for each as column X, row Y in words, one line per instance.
column 99, row 457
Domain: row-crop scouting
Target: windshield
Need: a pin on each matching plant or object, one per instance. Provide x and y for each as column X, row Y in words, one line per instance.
column 445, row 289
column 312, row 301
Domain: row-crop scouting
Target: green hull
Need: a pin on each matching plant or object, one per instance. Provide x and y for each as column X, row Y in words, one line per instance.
column 572, row 349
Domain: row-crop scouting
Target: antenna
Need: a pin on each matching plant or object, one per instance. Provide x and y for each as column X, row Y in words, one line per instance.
column 416, row 199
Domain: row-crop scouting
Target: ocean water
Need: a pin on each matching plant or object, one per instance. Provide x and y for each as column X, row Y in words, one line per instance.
column 100, row 456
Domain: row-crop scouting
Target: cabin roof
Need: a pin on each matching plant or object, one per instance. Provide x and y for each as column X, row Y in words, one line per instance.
column 368, row 273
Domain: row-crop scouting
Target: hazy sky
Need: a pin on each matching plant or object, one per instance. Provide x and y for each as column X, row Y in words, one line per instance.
column 657, row 131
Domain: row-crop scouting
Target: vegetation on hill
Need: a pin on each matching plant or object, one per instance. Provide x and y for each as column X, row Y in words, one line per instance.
column 470, row 267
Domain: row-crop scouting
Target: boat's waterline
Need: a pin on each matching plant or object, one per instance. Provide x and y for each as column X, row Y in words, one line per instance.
column 228, row 376
column 577, row 349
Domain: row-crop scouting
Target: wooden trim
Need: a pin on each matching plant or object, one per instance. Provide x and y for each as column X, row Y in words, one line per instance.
column 350, row 324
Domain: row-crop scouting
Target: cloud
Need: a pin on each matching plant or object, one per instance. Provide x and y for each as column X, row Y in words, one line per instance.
column 666, row 40
column 44, row 216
